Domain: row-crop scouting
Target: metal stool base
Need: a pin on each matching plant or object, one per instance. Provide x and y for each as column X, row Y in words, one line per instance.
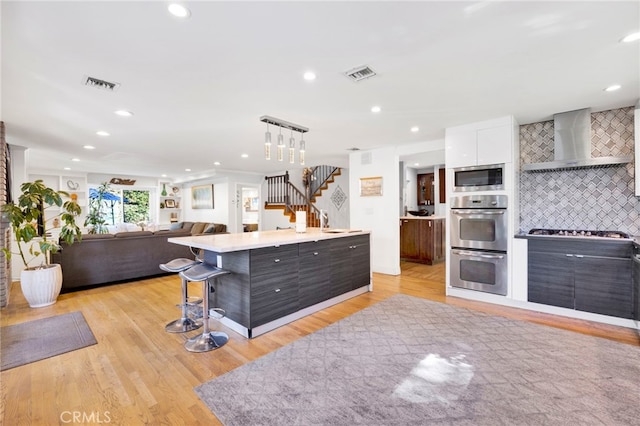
column 183, row 325
column 207, row 341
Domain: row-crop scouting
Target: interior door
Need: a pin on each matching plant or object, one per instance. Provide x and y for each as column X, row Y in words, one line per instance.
column 250, row 208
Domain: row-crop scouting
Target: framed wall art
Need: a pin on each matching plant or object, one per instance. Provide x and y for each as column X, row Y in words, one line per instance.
column 371, row 186
column 202, row 197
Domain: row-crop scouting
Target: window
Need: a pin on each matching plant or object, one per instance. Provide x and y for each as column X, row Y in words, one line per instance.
column 136, row 206
column 126, row 205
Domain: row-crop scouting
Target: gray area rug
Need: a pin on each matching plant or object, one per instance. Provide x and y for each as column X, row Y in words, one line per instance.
column 409, row 361
column 35, row 340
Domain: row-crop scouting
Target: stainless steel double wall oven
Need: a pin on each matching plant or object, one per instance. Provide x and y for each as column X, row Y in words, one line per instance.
column 479, row 242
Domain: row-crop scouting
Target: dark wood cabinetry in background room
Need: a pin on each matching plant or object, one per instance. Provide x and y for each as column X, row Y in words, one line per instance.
column 410, row 239
column 590, row 276
column 425, row 189
column 441, row 181
column 422, row 240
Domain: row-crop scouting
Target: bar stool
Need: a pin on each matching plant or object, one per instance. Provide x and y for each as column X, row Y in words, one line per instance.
column 184, row 323
column 208, row 340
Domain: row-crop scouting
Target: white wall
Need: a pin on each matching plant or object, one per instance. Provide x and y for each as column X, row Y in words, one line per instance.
column 221, row 203
column 227, row 199
column 338, row 217
column 141, row 182
column 380, row 214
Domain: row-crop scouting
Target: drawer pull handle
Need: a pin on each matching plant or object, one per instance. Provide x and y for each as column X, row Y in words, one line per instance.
column 569, row 255
column 277, row 260
column 277, row 290
column 315, row 253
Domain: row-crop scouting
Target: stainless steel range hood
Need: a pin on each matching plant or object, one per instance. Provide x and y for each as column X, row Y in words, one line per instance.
column 572, row 144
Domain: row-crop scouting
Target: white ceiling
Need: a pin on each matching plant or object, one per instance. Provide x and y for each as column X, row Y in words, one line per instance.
column 198, row 86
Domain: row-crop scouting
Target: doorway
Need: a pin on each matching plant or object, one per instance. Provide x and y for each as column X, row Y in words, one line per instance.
column 250, row 208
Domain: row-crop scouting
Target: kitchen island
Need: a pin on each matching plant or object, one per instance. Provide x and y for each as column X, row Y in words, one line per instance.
column 280, row 276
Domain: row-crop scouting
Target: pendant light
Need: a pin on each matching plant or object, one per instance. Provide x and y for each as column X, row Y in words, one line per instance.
column 292, row 149
column 302, row 149
column 267, row 144
column 280, row 146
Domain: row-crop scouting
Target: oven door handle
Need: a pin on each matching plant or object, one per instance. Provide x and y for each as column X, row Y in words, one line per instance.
column 476, row 212
column 476, row 254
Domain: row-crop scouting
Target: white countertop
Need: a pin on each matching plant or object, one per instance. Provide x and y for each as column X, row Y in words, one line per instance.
column 223, row 243
column 423, row 217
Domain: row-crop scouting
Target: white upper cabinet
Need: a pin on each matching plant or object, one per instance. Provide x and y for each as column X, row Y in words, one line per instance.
column 476, row 144
column 461, row 147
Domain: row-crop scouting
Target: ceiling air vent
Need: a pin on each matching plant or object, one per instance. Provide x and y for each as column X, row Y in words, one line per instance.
column 360, row 73
column 101, row 84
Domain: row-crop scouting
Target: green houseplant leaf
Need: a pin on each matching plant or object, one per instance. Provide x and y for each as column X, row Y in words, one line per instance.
column 34, row 199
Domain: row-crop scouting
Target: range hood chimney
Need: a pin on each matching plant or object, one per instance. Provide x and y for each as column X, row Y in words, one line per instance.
column 572, row 144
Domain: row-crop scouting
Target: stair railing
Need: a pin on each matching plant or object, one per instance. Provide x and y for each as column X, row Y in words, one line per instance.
column 280, row 191
column 319, row 177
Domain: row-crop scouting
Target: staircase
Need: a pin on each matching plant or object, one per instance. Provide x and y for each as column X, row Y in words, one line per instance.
column 320, row 178
column 282, row 194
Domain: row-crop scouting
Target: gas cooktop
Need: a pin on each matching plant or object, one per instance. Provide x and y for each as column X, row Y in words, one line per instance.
column 578, row 233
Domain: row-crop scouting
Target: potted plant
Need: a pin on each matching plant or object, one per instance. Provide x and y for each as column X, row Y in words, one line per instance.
column 41, row 284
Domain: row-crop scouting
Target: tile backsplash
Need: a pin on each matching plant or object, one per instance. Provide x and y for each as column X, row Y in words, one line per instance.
column 594, row 198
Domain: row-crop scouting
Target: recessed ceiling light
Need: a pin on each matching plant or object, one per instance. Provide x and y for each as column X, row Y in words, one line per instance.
column 414, row 129
column 416, row 164
column 75, row 159
column 612, row 88
column 631, row 37
column 376, row 109
column 102, row 133
column 67, row 168
column 309, row 75
column 216, row 163
column 187, row 170
column 89, row 147
column 123, row 113
column 244, row 155
column 179, row 10
column 163, row 175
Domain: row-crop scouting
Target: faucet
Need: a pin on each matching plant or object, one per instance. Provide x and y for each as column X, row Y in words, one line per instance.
column 324, row 218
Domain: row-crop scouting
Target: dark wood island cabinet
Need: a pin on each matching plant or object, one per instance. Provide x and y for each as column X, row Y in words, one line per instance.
column 280, row 276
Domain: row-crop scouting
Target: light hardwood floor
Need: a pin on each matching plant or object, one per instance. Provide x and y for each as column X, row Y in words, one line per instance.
column 139, row 374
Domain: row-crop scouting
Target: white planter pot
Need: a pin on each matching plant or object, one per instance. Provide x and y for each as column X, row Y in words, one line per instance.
column 41, row 286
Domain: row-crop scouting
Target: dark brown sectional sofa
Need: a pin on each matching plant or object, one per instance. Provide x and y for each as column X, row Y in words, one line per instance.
column 101, row 259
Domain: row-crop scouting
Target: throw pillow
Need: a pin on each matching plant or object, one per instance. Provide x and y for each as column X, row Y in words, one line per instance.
column 198, row 228
column 210, row 229
column 175, row 226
